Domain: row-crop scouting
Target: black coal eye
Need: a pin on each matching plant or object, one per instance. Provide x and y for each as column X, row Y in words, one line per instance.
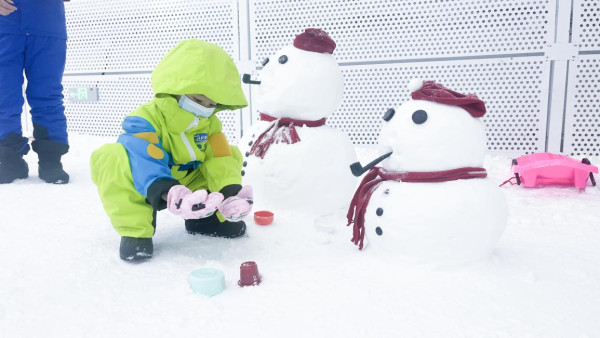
column 389, row 114
column 283, row 59
column 265, row 61
column 419, row 117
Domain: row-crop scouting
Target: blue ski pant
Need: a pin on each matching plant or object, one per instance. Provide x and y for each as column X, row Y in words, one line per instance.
column 43, row 60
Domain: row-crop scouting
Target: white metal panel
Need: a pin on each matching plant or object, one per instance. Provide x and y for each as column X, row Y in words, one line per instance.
column 582, row 122
column 586, row 24
column 514, row 90
column 493, row 48
column 120, row 95
column 558, row 78
column 133, row 35
column 401, row 30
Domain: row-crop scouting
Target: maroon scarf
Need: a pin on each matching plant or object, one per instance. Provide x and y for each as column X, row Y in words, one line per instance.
column 281, row 130
column 360, row 201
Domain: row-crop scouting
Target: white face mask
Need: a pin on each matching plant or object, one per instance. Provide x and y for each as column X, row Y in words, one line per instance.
column 194, row 107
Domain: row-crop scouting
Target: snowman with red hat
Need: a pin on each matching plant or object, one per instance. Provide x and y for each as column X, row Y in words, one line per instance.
column 430, row 201
column 292, row 159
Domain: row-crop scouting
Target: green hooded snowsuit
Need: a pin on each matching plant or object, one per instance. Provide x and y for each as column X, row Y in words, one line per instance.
column 164, row 145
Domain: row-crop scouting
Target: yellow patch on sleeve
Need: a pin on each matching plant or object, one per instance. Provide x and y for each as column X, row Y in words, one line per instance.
column 147, row 136
column 155, row 152
column 219, row 145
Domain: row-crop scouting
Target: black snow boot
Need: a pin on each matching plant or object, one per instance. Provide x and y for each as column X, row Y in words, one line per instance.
column 211, row 226
column 12, row 169
column 135, row 249
column 12, row 165
column 50, row 168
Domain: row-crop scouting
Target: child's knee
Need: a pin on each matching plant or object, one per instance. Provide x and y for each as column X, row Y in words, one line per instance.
column 106, row 160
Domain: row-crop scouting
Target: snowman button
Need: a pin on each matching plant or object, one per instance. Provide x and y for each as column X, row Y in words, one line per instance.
column 378, row 231
column 379, row 211
column 283, row 59
column 245, row 163
column 243, row 173
column 247, row 153
column 250, row 143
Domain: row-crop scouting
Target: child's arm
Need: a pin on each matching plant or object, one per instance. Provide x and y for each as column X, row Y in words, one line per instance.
column 149, row 162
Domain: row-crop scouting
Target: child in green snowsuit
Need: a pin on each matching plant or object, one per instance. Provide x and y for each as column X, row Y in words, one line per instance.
column 173, row 153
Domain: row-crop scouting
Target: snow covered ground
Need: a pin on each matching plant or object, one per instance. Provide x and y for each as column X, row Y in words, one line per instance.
column 61, row 276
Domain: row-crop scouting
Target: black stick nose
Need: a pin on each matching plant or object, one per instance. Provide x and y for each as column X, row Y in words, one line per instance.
column 246, row 78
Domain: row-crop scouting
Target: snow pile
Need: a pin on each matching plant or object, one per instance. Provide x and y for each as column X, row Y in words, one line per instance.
column 431, row 218
column 61, row 275
column 296, row 162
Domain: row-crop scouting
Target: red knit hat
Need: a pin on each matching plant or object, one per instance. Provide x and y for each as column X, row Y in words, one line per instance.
column 431, row 91
column 314, row 40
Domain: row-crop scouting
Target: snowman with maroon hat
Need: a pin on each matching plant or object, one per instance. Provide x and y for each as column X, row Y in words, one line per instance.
column 292, row 159
column 430, row 201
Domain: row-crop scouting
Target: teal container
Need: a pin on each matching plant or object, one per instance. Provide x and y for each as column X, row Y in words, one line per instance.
column 207, row 281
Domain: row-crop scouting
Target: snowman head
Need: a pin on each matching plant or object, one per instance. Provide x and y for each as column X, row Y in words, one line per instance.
column 438, row 129
column 302, row 81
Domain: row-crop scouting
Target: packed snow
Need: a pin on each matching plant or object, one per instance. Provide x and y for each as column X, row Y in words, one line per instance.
column 411, row 219
column 61, row 275
column 289, row 164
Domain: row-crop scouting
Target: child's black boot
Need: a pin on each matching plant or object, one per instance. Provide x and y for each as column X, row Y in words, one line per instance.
column 211, row 226
column 135, row 249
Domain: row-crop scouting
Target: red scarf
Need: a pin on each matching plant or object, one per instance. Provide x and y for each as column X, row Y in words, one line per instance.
column 360, row 201
column 280, row 130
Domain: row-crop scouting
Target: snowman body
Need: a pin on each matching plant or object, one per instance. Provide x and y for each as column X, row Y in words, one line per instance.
column 312, row 174
column 443, row 223
column 436, row 223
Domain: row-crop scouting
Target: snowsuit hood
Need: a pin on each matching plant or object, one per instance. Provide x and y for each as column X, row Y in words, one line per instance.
column 199, row 67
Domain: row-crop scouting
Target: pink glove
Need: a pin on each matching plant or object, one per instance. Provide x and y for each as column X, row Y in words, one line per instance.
column 237, row 207
column 183, row 202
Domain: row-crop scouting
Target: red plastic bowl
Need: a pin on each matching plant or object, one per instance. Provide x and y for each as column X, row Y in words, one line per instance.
column 263, row 217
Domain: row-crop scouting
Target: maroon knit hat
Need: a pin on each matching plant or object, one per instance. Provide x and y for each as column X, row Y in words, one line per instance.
column 431, row 91
column 314, row 40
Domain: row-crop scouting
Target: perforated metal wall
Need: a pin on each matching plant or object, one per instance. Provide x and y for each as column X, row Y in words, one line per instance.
column 582, row 109
column 586, row 24
column 398, row 30
column 513, row 89
column 382, row 44
column 126, row 39
column 120, row 95
column 512, row 53
column 582, row 118
column 117, row 36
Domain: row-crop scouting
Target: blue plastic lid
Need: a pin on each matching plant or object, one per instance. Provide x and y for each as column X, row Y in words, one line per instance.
column 207, row 281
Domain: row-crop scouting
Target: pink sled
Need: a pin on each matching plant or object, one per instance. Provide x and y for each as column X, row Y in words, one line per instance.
column 539, row 169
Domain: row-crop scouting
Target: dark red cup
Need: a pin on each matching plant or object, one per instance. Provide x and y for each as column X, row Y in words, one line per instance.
column 263, row 217
column 249, row 274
